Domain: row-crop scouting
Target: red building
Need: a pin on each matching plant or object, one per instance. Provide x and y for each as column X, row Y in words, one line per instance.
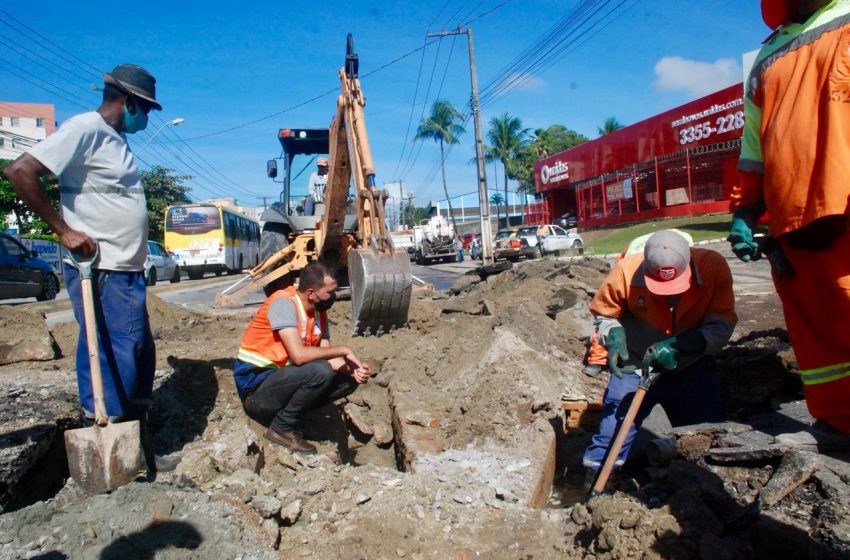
column 681, row 162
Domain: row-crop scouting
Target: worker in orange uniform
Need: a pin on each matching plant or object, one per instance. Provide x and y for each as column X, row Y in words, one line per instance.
column 795, row 165
column 597, row 356
column 673, row 305
column 286, row 364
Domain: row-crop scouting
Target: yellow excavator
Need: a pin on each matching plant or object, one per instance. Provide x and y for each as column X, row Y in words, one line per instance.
column 348, row 234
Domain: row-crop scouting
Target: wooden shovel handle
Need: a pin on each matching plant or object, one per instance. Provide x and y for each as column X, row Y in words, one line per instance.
column 614, row 451
column 100, row 416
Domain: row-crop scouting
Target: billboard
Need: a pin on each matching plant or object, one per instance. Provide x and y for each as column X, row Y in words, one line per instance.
column 50, row 251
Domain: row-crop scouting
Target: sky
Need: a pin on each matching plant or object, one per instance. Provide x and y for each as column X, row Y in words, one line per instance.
column 238, row 72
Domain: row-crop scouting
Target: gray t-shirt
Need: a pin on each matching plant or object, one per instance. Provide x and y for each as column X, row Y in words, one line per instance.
column 282, row 315
column 316, row 186
column 100, row 188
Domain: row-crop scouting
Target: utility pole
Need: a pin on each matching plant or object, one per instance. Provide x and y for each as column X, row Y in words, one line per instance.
column 483, row 201
column 265, row 200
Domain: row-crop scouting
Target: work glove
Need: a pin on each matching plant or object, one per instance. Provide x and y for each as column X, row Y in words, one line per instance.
column 666, row 354
column 741, row 238
column 615, row 343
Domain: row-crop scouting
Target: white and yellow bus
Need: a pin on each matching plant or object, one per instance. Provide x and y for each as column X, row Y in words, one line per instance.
column 208, row 237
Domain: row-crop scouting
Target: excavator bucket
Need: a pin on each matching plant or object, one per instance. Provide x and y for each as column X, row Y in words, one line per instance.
column 380, row 290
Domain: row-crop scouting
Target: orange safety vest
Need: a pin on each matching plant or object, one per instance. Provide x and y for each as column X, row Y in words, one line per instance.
column 262, row 347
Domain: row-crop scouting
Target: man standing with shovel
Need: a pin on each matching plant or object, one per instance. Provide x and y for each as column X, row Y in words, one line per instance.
column 104, row 223
column 668, row 309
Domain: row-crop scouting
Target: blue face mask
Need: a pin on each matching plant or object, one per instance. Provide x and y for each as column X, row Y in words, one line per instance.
column 134, row 123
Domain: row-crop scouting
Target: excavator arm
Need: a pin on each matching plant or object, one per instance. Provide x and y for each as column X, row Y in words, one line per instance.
column 379, row 275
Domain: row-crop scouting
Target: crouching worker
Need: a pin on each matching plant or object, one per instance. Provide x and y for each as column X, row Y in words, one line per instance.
column 676, row 302
column 286, row 364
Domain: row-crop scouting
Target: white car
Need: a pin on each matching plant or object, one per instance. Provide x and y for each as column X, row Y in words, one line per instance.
column 554, row 238
column 159, row 264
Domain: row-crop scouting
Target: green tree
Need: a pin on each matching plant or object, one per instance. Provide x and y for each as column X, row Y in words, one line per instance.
column 443, row 125
column 544, row 143
column 496, row 198
column 419, row 214
column 506, row 137
column 26, row 220
column 610, row 125
column 162, row 189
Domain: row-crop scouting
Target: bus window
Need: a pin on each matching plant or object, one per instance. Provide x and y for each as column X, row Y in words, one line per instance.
column 188, row 220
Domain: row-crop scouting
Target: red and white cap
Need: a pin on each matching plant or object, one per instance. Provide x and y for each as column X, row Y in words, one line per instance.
column 776, row 12
column 667, row 263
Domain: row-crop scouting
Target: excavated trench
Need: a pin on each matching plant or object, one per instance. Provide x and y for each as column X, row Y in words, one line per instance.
column 445, row 449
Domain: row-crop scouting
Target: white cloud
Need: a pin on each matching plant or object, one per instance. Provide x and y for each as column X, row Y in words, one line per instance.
column 674, row 73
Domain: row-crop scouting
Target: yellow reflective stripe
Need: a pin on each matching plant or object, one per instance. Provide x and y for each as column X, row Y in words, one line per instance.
column 825, row 374
column 253, row 358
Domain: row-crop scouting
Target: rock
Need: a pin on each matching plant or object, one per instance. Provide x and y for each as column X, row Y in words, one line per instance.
column 745, row 454
column 267, row 506
column 488, row 307
column 292, row 512
column 795, row 469
column 383, row 436
column 358, row 419
column 24, row 337
column 271, row 529
column 362, row 499
column 314, row 488
column 421, row 418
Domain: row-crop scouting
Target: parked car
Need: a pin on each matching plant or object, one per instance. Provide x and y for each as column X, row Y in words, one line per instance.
column 506, row 245
column 566, row 221
column 554, row 238
column 160, row 264
column 23, row 274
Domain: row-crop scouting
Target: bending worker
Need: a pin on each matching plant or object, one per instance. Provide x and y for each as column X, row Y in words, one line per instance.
column 794, row 166
column 677, row 303
column 597, row 355
column 286, row 364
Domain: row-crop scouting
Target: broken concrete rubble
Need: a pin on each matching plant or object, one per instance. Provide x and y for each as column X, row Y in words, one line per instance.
column 467, row 404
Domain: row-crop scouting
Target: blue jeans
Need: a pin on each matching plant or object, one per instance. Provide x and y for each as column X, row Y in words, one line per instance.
column 127, row 351
column 688, row 396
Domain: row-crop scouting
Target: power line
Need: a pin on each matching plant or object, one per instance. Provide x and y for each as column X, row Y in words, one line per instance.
column 413, row 105
column 11, row 41
column 45, row 88
column 83, row 64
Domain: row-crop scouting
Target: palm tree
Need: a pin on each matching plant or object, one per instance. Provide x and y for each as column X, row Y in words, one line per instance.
column 506, row 137
column 610, row 125
column 496, row 198
column 443, row 125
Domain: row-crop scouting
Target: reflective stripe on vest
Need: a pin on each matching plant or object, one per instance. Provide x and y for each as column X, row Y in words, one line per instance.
column 263, row 348
column 825, row 374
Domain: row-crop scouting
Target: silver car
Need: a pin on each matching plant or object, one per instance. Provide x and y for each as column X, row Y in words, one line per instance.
column 553, row 239
column 160, row 265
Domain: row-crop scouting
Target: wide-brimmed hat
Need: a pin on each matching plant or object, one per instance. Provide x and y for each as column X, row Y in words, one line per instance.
column 775, row 12
column 134, row 79
column 667, row 263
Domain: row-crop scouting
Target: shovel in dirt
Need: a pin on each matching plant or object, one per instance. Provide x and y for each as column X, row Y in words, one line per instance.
column 648, row 377
column 105, row 456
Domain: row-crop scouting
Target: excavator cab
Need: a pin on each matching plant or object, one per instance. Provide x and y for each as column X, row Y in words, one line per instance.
column 285, row 219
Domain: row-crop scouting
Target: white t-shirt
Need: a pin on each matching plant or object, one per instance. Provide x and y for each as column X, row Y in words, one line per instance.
column 100, row 188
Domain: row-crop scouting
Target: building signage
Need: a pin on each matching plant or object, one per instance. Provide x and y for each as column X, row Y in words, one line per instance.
column 558, row 171
column 50, row 251
column 713, row 119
